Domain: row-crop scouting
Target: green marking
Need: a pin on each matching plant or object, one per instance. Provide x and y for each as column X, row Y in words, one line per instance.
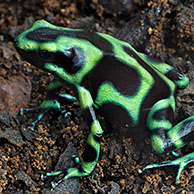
column 162, row 104
column 74, row 172
column 157, row 144
column 164, row 124
column 54, row 85
column 95, row 145
column 89, row 166
column 85, row 98
column 50, row 104
column 96, row 127
column 107, row 93
column 172, row 102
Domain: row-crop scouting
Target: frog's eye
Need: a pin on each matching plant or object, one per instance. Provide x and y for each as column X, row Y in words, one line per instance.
column 71, row 60
column 46, row 55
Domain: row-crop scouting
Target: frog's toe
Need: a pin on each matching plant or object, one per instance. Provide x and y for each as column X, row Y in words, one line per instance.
column 150, row 166
column 55, row 184
column 76, row 160
column 175, row 154
column 43, row 177
column 23, row 110
column 31, row 127
column 65, row 114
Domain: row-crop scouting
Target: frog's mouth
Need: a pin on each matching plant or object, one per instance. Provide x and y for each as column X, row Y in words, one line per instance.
column 30, row 56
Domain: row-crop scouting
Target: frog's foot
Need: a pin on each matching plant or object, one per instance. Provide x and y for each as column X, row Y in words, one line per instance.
column 182, row 162
column 77, row 164
column 42, row 112
column 48, row 174
column 44, row 107
column 71, row 172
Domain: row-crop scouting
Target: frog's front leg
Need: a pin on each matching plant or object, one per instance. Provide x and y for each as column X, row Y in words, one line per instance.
column 179, row 79
column 166, row 138
column 53, row 101
column 91, row 154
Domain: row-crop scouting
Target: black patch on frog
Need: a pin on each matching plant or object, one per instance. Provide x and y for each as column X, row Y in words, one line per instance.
column 89, row 115
column 80, row 169
column 89, row 154
column 98, row 137
column 174, row 75
column 163, row 114
column 45, row 34
column 124, row 78
column 116, row 114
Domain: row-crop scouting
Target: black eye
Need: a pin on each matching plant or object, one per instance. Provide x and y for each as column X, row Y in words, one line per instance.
column 46, row 55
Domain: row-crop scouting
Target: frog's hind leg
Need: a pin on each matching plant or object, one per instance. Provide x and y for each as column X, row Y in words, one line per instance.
column 91, row 154
column 159, row 121
column 166, row 138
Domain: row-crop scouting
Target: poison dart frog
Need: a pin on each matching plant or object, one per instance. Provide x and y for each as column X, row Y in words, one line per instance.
column 109, row 78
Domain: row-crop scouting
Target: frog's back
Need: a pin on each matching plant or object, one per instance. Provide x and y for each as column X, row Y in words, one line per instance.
column 124, row 92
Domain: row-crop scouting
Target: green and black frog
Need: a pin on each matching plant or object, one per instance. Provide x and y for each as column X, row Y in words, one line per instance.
column 111, row 79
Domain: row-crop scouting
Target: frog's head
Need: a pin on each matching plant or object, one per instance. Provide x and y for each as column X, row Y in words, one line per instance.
column 55, row 49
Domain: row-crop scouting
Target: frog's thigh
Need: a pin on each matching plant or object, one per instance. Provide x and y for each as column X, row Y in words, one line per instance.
column 159, row 121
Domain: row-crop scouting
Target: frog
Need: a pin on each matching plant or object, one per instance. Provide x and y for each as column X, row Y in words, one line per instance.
column 110, row 79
